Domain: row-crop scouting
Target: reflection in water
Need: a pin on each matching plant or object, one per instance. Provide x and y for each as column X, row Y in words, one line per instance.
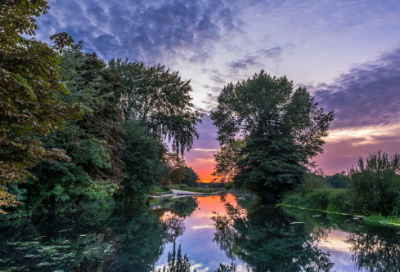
column 217, row 233
column 375, row 252
column 370, row 248
column 267, row 242
column 176, row 262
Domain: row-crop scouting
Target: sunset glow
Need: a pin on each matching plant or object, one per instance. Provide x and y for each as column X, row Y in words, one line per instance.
column 349, row 63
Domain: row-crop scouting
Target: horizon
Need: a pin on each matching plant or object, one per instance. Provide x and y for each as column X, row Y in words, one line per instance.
column 347, row 54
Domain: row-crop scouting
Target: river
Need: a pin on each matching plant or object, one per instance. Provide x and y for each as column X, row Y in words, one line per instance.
column 212, row 233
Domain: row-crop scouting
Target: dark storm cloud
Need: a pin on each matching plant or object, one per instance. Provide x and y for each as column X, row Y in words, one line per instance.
column 145, row 30
column 368, row 94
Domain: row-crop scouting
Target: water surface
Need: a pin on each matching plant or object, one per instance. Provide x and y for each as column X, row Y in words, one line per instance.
column 216, row 233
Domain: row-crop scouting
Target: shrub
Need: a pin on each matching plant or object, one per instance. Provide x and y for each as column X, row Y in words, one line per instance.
column 229, row 185
column 339, row 201
column 318, row 199
column 312, row 183
column 338, row 181
column 183, row 186
column 375, row 184
column 333, row 200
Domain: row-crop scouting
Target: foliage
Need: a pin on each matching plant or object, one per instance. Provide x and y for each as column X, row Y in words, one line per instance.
column 229, row 185
column 271, row 100
column 338, row 180
column 226, row 159
column 183, row 187
column 158, row 100
column 375, row 183
column 311, row 183
column 271, row 164
column 177, row 169
column 30, row 91
column 67, row 181
column 105, row 123
column 143, row 157
column 332, row 200
column 285, row 128
column 190, row 177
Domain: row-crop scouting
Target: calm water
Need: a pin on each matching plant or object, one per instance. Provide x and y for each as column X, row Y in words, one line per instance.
column 216, row 233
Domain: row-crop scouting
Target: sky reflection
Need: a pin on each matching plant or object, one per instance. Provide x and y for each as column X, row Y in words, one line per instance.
column 265, row 239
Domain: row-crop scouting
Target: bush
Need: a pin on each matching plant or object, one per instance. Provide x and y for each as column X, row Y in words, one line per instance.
column 183, row 187
column 229, row 185
column 333, row 200
column 338, row 181
column 375, row 184
column 312, row 183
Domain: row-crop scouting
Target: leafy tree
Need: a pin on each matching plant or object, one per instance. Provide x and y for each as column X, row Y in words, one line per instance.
column 271, row 164
column 143, row 157
column 285, row 128
column 226, row 159
column 159, row 100
column 177, row 169
column 190, row 177
column 269, row 100
column 30, row 91
column 70, row 181
column 105, row 123
column 338, row 180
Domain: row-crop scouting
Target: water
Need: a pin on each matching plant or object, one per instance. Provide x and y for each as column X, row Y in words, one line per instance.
column 217, row 233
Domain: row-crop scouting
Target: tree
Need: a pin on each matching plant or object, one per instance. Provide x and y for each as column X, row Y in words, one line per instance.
column 269, row 100
column 30, row 91
column 226, row 159
column 159, row 100
column 143, row 156
column 285, row 130
column 190, row 177
column 106, row 121
column 177, row 169
column 271, row 164
column 338, row 180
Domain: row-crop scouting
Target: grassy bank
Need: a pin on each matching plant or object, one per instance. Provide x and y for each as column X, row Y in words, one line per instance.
column 335, row 201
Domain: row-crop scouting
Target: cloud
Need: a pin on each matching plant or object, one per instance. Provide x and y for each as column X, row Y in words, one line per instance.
column 143, row 30
column 243, row 63
column 368, row 95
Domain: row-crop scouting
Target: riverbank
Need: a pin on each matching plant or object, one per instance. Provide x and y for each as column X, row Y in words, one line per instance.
column 335, row 201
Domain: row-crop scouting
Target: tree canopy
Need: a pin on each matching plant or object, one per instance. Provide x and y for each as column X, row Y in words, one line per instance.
column 267, row 100
column 160, row 100
column 284, row 128
column 30, row 91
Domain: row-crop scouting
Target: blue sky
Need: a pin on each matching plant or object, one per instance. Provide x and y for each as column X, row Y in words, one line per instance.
column 347, row 53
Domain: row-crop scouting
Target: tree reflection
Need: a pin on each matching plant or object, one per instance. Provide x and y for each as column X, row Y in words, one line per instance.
column 267, row 242
column 376, row 250
column 174, row 226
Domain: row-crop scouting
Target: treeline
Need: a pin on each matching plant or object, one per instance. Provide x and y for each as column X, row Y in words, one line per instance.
column 75, row 129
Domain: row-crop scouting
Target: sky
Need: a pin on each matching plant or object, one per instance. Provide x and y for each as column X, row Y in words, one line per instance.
column 346, row 52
